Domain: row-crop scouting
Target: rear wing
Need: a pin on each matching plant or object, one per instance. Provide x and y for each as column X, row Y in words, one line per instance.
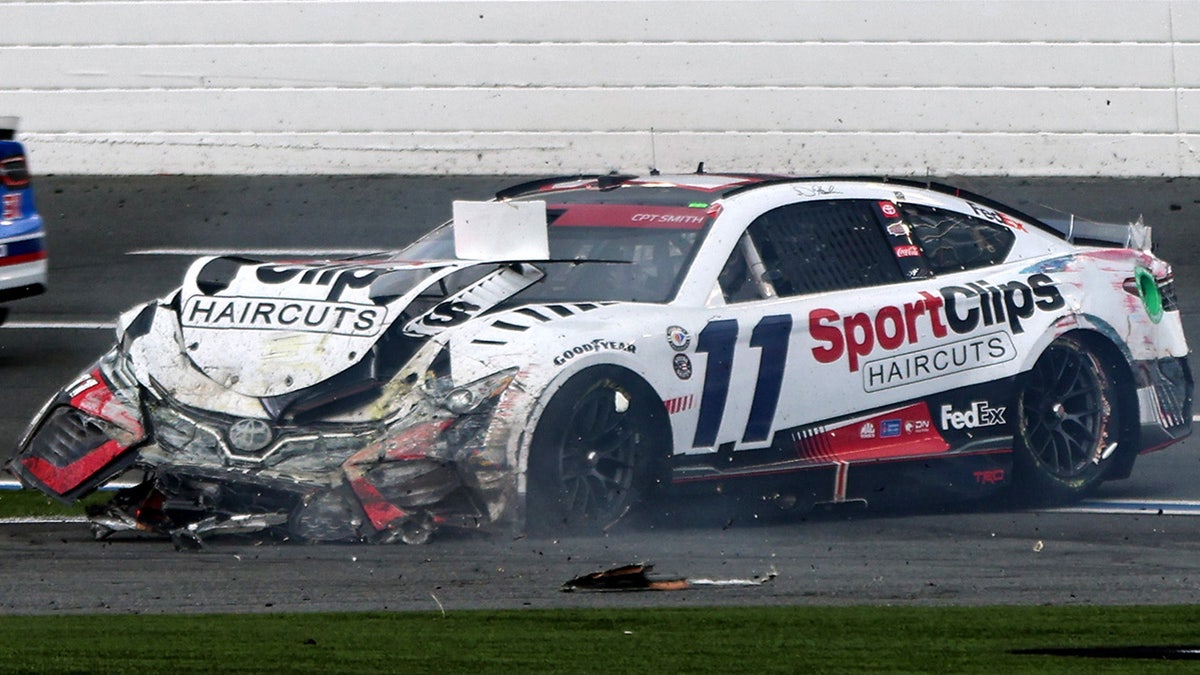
column 1135, row 235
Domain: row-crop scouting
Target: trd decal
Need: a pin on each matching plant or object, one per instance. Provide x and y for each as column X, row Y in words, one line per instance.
column 717, row 340
column 989, row 477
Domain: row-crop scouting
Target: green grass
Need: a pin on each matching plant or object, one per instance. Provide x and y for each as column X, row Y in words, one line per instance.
column 25, row 503
column 774, row 639
column 714, row 640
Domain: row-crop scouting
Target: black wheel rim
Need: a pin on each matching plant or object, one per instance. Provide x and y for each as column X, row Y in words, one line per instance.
column 1063, row 412
column 596, row 463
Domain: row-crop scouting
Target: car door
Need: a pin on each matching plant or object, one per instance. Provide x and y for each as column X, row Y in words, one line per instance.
column 809, row 293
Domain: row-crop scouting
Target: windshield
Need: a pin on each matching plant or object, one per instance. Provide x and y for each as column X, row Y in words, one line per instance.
column 594, row 263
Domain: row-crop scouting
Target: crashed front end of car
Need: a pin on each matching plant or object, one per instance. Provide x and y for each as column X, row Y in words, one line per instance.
column 313, row 399
column 384, row 460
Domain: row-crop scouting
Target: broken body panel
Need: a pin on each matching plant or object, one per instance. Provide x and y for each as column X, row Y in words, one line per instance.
column 663, row 335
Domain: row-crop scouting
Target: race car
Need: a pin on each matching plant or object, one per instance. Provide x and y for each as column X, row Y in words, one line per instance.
column 556, row 357
column 22, row 240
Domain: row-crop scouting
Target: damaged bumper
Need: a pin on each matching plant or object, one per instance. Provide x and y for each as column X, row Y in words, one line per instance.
column 442, row 461
column 1164, row 391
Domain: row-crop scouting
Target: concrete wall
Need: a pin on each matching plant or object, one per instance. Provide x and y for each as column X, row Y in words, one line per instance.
column 920, row 87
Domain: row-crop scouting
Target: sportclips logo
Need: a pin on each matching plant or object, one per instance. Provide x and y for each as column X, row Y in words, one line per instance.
column 954, row 309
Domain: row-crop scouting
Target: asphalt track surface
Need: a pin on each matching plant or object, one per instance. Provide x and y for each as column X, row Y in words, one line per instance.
column 117, row 241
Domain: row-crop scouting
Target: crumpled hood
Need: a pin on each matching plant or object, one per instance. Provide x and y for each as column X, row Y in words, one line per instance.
column 265, row 329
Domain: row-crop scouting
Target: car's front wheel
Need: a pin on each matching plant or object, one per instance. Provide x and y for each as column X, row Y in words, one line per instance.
column 594, row 452
column 1067, row 427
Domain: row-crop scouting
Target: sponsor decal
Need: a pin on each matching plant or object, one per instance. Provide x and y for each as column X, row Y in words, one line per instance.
column 10, row 209
column 450, row 313
column 679, row 404
column 978, row 414
column 339, row 278
column 927, row 364
column 897, row 230
column 908, row 251
column 890, row 428
column 889, row 210
column 867, row 430
column 989, row 477
column 597, row 345
column 921, row 426
column 305, row 316
column 683, row 366
column 678, row 338
column 997, row 217
column 900, row 432
column 958, row 309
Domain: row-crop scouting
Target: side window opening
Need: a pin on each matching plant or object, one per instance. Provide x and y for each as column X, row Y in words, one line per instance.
column 810, row 247
column 953, row 242
column 744, row 276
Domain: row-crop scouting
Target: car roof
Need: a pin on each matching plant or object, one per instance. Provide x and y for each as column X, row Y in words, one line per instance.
column 700, row 189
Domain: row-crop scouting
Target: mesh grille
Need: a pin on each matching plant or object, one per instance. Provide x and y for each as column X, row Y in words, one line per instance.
column 1166, row 289
column 1173, row 392
column 67, row 436
column 824, row 246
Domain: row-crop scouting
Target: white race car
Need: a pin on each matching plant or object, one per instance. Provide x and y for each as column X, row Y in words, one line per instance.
column 556, row 356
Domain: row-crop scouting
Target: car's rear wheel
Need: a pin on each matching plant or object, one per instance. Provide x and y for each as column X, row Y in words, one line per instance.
column 594, row 452
column 1067, row 427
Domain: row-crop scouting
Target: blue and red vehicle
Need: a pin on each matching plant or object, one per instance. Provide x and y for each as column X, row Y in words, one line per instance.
column 22, row 237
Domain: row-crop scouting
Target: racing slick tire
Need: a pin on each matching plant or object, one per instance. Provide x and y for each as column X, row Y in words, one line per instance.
column 1067, row 425
column 596, row 450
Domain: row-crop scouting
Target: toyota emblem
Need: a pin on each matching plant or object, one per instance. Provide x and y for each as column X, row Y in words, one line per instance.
column 250, row 435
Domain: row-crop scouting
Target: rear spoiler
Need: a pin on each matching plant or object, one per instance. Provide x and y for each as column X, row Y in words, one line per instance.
column 1088, row 233
column 8, row 128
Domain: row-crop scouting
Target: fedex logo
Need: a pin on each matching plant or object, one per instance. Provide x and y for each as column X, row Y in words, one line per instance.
column 979, row 414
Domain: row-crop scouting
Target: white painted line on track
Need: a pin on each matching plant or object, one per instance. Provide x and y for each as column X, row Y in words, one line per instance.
column 1163, row 507
column 59, row 325
column 13, row 484
column 42, row 520
column 308, row 252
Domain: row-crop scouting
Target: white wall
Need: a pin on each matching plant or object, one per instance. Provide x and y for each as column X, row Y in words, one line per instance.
column 920, row 87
